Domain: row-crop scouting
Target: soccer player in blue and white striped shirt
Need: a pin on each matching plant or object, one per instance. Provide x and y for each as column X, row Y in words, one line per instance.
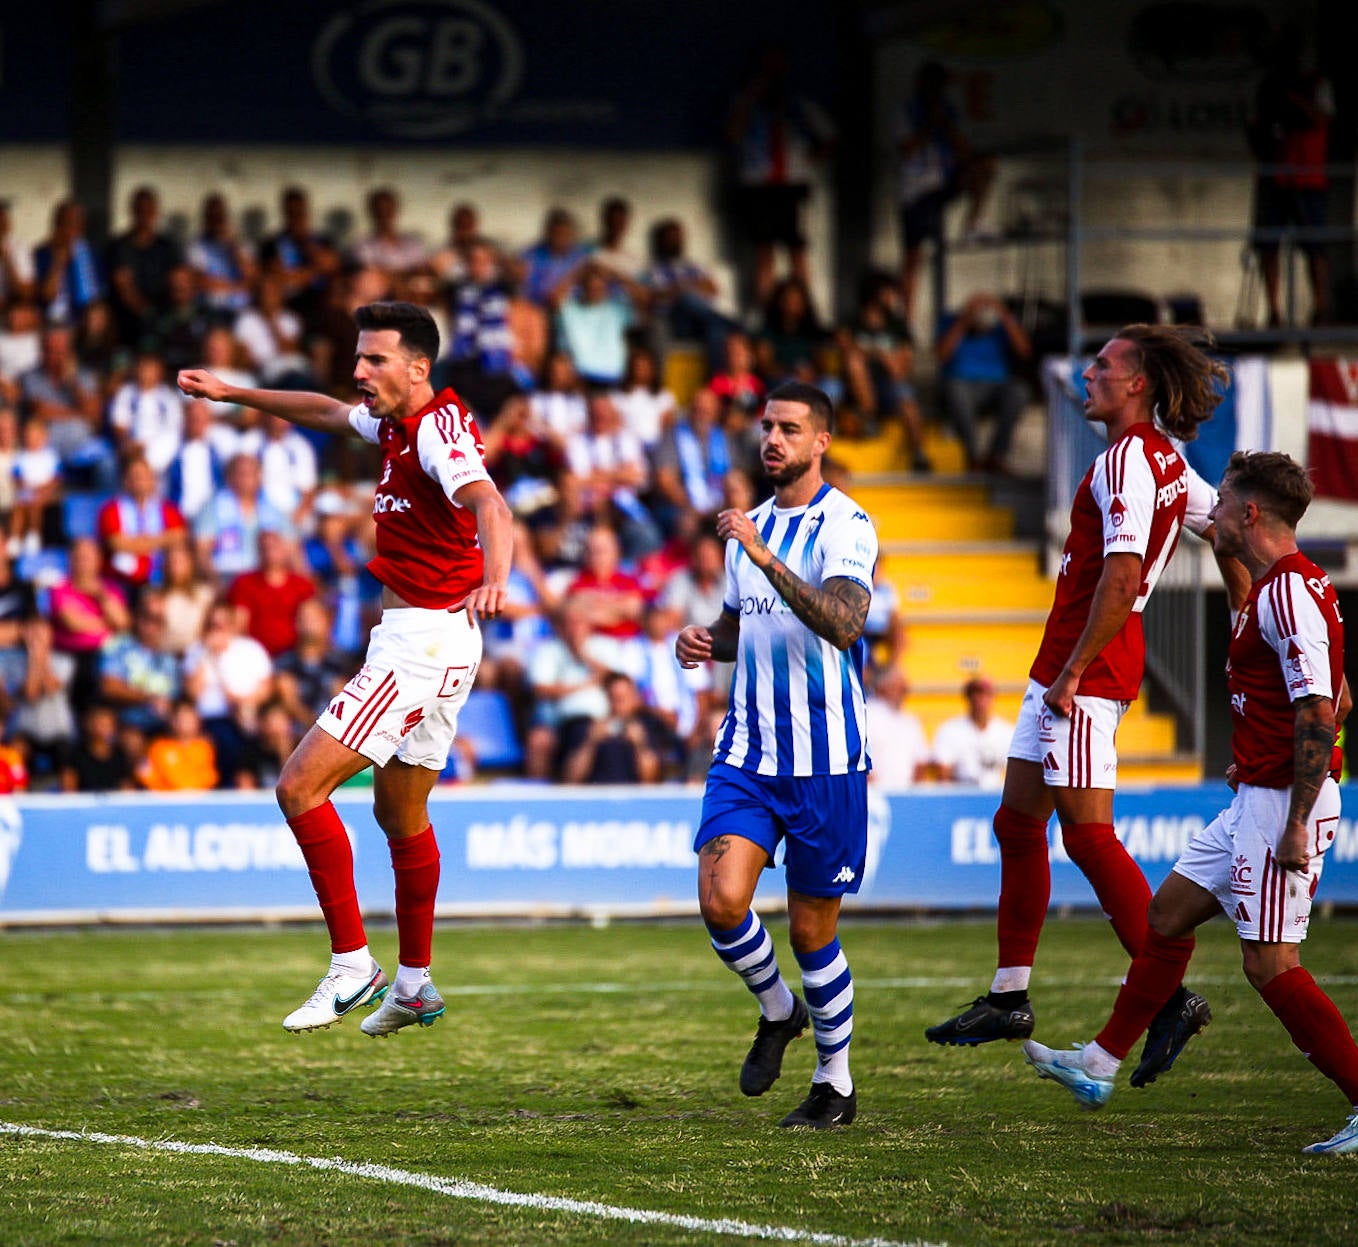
column 791, row 757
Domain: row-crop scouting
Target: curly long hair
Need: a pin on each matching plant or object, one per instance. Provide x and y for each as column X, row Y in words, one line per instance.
column 1186, row 383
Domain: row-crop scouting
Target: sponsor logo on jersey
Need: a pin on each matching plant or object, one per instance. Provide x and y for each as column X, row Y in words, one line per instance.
column 457, row 453
column 1117, row 512
column 1065, row 562
column 1166, row 494
column 1238, row 703
column 845, row 875
column 759, row 606
column 1049, row 763
column 415, row 717
column 1163, row 461
column 1318, row 585
column 384, row 503
column 1241, row 914
column 860, row 515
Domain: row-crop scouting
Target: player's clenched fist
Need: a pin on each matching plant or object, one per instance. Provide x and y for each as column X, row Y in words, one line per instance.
column 199, row 383
column 693, row 646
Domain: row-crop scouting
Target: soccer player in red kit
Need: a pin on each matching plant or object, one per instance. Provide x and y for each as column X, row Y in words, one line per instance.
column 1260, row 860
column 1148, row 383
column 444, row 540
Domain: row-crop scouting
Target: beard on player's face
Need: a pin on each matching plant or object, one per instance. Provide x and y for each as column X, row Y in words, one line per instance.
column 788, row 471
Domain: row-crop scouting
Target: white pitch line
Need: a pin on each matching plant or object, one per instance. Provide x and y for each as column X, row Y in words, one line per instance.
column 456, row 1188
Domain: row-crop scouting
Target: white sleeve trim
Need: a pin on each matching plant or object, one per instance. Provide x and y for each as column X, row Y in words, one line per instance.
column 365, row 424
column 1292, row 623
column 449, row 453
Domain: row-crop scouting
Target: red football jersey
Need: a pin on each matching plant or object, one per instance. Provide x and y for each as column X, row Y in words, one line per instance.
column 1287, row 643
column 427, row 547
column 1136, row 498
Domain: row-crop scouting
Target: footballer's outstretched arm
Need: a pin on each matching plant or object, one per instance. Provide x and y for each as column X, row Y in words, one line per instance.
column 310, row 411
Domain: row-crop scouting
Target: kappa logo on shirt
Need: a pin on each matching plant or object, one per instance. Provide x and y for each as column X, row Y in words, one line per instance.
column 845, row 875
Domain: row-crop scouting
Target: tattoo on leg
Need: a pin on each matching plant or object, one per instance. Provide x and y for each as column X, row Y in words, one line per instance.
column 716, row 848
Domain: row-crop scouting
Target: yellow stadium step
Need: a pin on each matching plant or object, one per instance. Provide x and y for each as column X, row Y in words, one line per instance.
column 979, row 577
column 924, row 508
column 890, row 452
column 944, row 653
column 1175, row 769
column 685, row 372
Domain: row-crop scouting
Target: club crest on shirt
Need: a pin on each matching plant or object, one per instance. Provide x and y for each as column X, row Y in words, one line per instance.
column 1297, row 668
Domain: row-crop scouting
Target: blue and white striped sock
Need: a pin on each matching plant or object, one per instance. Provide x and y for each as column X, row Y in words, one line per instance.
column 748, row 950
column 828, row 987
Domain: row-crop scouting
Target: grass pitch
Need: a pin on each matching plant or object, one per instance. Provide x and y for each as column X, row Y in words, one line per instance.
column 600, row 1065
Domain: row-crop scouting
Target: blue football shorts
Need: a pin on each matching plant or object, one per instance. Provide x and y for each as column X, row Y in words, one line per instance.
column 822, row 818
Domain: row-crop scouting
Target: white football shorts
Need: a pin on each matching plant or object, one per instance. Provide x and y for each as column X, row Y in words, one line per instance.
column 1232, row 858
column 405, row 699
column 1078, row 752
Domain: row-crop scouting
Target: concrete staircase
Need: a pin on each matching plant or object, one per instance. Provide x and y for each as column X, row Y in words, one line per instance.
column 974, row 597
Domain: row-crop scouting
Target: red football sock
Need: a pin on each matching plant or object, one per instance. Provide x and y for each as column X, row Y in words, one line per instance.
column 330, row 859
column 1118, row 882
column 1316, row 1027
column 1157, row 970
column 415, row 861
column 1025, row 885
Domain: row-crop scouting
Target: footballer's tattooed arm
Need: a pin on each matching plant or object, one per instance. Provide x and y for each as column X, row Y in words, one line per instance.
column 838, row 611
column 1312, row 747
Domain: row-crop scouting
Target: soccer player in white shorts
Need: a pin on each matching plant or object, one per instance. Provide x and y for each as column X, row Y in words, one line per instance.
column 444, row 543
column 1078, row 750
column 1260, row 860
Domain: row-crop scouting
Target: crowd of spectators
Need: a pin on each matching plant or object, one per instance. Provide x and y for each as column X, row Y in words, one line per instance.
column 183, row 583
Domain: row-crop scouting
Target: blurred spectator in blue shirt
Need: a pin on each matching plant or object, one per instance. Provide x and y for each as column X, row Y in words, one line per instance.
column 66, row 271
column 223, row 265
column 548, row 262
column 979, row 350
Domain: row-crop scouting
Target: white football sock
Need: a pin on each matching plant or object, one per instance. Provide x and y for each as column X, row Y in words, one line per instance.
column 360, row 961
column 1011, row 979
column 409, row 980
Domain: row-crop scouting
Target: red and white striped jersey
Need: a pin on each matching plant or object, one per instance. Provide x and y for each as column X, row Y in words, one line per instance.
column 1136, row 498
column 1287, row 643
column 427, row 547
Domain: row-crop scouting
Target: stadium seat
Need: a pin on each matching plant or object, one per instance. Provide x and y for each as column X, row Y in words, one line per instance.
column 487, row 722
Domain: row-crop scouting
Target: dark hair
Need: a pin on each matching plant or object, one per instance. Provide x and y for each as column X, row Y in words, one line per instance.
column 1276, row 482
column 822, row 409
column 1186, row 383
column 636, row 352
column 414, row 325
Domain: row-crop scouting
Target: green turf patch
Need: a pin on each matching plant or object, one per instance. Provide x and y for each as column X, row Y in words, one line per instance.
column 600, row 1065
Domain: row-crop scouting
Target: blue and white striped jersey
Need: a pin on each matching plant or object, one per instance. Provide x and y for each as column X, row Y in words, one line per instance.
column 796, row 703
